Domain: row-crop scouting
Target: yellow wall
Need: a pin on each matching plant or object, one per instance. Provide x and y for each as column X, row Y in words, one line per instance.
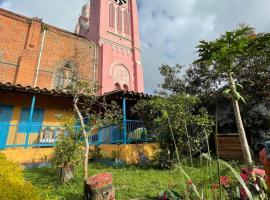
column 52, row 106
column 29, row 156
column 128, row 153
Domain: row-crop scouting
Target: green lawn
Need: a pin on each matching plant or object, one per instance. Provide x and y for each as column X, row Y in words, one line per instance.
column 130, row 182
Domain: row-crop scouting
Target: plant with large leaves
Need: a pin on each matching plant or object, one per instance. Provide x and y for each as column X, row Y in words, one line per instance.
column 226, row 57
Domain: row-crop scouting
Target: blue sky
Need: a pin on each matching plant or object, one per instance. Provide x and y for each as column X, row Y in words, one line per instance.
column 169, row 31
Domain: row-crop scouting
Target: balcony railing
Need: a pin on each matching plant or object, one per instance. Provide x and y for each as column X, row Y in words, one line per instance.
column 12, row 136
column 115, row 134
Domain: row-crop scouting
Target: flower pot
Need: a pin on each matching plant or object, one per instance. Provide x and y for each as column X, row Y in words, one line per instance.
column 66, row 174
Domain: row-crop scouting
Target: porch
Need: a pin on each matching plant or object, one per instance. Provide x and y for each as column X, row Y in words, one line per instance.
column 29, row 118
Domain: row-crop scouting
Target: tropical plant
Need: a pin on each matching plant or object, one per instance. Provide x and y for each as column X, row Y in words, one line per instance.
column 224, row 55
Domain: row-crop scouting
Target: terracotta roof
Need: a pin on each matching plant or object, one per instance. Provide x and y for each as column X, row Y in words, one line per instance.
column 30, row 90
column 127, row 94
column 116, row 94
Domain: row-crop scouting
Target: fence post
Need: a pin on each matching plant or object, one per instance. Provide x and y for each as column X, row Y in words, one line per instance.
column 99, row 137
column 30, row 120
column 125, row 120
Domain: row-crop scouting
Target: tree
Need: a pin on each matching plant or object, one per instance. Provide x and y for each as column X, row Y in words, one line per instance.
column 96, row 110
column 176, row 119
column 226, row 56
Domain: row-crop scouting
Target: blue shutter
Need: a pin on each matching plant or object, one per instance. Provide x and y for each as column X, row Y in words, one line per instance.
column 37, row 120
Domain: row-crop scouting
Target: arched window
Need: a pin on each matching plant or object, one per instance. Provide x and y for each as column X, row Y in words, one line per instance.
column 117, row 86
column 126, row 23
column 119, row 20
column 59, row 79
column 65, row 74
column 111, row 16
column 120, row 74
column 125, row 87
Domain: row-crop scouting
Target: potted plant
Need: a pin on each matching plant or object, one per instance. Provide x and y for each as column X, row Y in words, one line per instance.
column 68, row 152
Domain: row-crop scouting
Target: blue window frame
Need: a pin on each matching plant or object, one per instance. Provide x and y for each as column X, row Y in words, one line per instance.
column 37, row 120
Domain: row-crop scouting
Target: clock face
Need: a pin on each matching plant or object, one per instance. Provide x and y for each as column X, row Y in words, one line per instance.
column 121, row 2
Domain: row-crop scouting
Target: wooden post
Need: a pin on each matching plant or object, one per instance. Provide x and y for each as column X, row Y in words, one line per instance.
column 100, row 187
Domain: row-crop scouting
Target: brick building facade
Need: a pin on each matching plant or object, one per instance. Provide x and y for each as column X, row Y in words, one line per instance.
column 105, row 48
column 35, row 54
column 37, row 59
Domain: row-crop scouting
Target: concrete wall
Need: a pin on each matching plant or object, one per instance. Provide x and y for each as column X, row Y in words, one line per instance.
column 128, row 153
column 29, row 156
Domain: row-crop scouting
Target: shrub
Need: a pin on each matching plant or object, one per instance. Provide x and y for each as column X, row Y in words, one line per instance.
column 12, row 183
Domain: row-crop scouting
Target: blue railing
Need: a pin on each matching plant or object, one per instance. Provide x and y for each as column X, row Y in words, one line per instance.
column 12, row 136
column 114, row 134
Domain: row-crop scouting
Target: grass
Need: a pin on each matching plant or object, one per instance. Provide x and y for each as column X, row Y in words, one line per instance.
column 130, row 182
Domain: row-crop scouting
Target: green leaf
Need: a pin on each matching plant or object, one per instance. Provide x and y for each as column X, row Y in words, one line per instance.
column 227, row 92
column 239, row 85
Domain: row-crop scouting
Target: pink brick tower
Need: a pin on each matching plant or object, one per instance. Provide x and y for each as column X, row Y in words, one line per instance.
column 116, row 30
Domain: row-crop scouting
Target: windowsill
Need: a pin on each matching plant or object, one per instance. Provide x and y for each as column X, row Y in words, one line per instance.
column 119, row 36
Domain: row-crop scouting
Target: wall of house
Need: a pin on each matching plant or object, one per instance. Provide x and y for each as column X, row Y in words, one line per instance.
column 131, row 153
column 52, row 108
column 29, row 156
column 21, row 38
column 128, row 153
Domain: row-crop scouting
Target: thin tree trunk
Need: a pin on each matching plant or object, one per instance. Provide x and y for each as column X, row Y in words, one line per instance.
column 86, row 154
column 242, row 136
column 240, row 127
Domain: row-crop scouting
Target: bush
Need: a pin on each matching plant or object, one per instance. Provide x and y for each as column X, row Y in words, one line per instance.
column 164, row 160
column 12, row 183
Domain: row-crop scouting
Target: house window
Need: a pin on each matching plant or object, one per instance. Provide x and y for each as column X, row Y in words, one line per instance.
column 119, row 20
column 117, row 86
column 111, row 15
column 64, row 75
column 37, row 120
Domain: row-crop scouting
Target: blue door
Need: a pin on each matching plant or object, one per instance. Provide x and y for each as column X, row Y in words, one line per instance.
column 5, row 118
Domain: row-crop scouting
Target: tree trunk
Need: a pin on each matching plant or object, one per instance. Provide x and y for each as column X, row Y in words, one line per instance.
column 239, row 124
column 242, row 136
column 86, row 154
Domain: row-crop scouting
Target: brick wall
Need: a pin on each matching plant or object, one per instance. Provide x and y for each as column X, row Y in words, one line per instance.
column 20, row 50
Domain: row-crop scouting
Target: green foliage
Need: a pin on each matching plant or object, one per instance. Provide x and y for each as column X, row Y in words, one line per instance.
column 12, row 183
column 164, row 159
column 68, row 152
column 184, row 115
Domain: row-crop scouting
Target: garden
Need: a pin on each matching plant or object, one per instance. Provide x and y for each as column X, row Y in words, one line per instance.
column 234, row 68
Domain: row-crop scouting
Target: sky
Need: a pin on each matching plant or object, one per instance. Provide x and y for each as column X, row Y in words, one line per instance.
column 170, row 30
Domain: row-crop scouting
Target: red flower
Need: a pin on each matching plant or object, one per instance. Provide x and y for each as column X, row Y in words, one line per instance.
column 243, row 194
column 189, row 182
column 245, row 177
column 225, row 180
column 215, row 186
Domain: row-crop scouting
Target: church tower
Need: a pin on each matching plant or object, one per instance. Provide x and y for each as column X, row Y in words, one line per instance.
column 115, row 28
